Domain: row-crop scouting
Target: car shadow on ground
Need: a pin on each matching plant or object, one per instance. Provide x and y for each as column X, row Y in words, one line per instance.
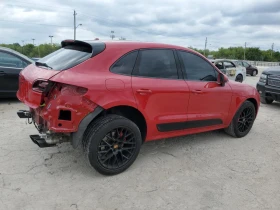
column 64, row 159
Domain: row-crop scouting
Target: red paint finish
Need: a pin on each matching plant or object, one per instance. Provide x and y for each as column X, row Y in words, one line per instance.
column 82, row 88
column 209, row 100
column 66, row 98
column 161, row 101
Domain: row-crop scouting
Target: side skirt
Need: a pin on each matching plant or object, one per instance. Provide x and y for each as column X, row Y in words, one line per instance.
column 188, row 125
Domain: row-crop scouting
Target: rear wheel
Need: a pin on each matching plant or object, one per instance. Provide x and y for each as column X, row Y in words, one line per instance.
column 239, row 78
column 111, row 144
column 254, row 73
column 242, row 121
column 266, row 100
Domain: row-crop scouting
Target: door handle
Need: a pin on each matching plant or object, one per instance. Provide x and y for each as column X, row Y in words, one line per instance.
column 143, row 91
column 197, row 91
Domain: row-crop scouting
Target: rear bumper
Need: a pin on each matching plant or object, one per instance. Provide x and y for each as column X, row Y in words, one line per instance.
column 268, row 91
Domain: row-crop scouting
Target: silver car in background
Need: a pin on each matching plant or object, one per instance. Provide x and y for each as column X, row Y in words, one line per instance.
column 232, row 69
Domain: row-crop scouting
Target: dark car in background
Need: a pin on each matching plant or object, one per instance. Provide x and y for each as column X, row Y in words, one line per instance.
column 250, row 69
column 269, row 85
column 11, row 63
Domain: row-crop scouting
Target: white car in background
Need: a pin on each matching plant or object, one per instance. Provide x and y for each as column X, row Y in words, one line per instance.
column 232, row 69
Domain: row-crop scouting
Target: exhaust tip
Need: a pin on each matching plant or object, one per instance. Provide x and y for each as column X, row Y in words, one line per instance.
column 41, row 142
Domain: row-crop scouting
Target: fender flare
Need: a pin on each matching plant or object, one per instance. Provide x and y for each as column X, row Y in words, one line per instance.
column 77, row 137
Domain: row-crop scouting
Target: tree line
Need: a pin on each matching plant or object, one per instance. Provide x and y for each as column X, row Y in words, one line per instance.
column 31, row 50
column 251, row 53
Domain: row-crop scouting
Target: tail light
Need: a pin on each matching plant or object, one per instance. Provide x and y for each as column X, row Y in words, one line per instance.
column 42, row 86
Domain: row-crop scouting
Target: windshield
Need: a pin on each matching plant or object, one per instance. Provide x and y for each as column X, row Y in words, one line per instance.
column 66, row 57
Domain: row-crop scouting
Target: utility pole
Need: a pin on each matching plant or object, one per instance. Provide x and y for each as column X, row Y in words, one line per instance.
column 51, row 39
column 33, row 41
column 75, row 24
column 112, row 35
column 22, row 46
column 205, row 47
column 272, row 46
column 245, row 51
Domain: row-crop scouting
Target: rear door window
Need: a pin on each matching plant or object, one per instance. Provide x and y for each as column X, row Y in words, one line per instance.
column 67, row 57
column 156, row 63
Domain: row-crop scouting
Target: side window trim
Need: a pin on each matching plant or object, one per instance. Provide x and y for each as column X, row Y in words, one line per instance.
column 138, row 59
column 178, row 65
column 233, row 65
column 110, row 69
column 183, row 66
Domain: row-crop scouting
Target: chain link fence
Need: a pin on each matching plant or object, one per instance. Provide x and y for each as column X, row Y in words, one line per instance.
column 263, row 63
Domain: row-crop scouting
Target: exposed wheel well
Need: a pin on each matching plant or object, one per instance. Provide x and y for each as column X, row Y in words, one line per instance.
column 254, row 101
column 132, row 114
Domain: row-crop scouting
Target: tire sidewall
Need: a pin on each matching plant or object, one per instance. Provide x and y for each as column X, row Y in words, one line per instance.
column 239, row 78
column 245, row 105
column 96, row 138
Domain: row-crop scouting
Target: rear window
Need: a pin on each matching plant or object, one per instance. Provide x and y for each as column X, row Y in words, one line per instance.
column 67, row 57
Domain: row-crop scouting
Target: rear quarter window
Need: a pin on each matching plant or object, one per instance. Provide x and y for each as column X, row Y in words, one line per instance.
column 125, row 64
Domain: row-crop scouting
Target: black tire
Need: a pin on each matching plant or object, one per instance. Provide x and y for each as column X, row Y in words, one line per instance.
column 94, row 138
column 254, row 73
column 234, row 128
column 239, row 78
column 266, row 100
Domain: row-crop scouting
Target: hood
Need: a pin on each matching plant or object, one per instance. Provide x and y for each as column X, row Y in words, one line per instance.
column 272, row 70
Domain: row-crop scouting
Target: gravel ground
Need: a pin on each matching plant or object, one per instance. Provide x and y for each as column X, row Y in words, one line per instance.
column 203, row 171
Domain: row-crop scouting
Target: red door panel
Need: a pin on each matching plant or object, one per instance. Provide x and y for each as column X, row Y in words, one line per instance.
column 208, row 100
column 161, row 101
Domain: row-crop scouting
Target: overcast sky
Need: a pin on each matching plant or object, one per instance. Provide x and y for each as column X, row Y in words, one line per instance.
column 182, row 22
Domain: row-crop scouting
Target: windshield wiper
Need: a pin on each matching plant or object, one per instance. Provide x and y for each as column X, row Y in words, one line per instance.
column 42, row 64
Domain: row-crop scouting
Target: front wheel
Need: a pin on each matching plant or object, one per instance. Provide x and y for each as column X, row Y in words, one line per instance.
column 111, row 144
column 242, row 121
column 266, row 100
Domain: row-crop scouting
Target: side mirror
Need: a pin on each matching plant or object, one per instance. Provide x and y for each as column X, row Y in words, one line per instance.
column 222, row 79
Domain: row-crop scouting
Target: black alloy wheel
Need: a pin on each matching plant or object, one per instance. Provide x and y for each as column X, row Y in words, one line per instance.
column 242, row 121
column 245, row 119
column 116, row 148
column 111, row 144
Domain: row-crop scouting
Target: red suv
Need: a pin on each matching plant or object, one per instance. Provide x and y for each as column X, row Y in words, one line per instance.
column 110, row 97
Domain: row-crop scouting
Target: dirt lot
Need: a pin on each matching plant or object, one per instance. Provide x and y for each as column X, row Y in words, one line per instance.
column 204, row 171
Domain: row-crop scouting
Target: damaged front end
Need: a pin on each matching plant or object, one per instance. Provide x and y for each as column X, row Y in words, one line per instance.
column 55, row 109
